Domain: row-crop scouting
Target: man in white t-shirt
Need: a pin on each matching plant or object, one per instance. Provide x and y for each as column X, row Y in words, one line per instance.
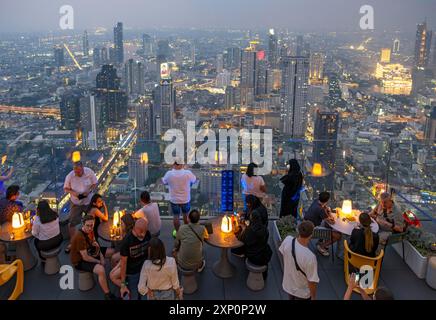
column 300, row 274
column 179, row 182
column 80, row 184
column 150, row 211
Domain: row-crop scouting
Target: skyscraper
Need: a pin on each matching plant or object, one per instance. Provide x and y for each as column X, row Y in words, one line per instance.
column 325, row 137
column 229, row 98
column 163, row 55
column 385, row 55
column 295, row 75
column 261, row 77
column 232, row 58
column 335, row 92
column 273, row 51
column 299, row 46
column 422, row 45
column 316, row 73
column 138, row 169
column 167, row 104
column 144, row 121
column 219, row 63
column 59, row 58
column 134, row 77
column 118, row 43
column 147, row 46
column 396, row 46
column 96, row 57
column 430, row 126
column 70, row 111
column 108, row 91
column 92, row 122
column 85, row 44
column 248, row 77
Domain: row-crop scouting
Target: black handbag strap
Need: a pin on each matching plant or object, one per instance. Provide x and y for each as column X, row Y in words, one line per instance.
column 295, row 258
column 195, row 233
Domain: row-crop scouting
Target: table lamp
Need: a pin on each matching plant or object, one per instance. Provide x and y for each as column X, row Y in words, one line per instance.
column 76, row 156
column 317, row 169
column 226, row 224
column 347, row 207
column 117, row 218
column 17, row 220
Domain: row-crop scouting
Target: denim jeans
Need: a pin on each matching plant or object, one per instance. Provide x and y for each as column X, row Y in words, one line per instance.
column 180, row 208
column 163, row 295
column 132, row 285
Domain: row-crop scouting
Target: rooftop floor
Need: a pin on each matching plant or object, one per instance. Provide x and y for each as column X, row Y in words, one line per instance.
column 395, row 275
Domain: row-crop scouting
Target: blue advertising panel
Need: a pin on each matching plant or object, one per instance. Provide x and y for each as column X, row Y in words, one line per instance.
column 227, row 191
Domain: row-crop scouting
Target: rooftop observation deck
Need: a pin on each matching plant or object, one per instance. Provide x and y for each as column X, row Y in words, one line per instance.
column 395, row 275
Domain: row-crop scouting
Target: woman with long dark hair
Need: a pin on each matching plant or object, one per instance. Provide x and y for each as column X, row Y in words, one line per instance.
column 252, row 184
column 159, row 279
column 98, row 209
column 363, row 241
column 292, row 182
column 46, row 229
column 255, row 205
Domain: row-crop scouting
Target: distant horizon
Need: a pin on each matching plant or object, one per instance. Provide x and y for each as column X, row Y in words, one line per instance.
column 303, row 16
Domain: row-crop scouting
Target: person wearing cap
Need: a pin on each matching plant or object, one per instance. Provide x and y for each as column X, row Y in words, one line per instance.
column 179, row 181
column 80, row 184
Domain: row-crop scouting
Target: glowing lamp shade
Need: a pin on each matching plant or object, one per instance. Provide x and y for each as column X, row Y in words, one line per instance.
column 347, row 207
column 17, row 220
column 226, row 224
column 317, row 169
column 76, row 156
column 117, row 218
column 144, row 158
column 4, row 158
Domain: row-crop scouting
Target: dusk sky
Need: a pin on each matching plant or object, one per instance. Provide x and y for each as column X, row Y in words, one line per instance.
column 298, row 15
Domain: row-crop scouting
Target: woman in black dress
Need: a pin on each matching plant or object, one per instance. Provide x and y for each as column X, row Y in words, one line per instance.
column 291, row 190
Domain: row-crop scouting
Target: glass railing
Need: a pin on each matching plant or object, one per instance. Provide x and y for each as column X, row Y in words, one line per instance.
column 357, row 169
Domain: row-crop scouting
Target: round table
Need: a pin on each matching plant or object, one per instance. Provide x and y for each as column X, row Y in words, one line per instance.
column 346, row 227
column 104, row 232
column 223, row 268
column 20, row 240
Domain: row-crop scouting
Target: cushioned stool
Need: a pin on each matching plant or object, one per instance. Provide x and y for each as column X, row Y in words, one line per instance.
column 255, row 278
column 431, row 272
column 189, row 282
column 52, row 264
column 86, row 280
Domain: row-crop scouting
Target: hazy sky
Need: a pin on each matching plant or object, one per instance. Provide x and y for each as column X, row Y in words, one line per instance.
column 298, row 15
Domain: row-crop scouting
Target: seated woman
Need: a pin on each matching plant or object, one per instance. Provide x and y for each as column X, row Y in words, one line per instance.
column 159, row 279
column 188, row 246
column 255, row 238
column 46, row 229
column 388, row 219
column 254, row 205
column 98, row 209
column 363, row 241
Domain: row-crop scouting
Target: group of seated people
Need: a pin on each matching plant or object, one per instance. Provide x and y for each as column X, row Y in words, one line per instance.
column 362, row 241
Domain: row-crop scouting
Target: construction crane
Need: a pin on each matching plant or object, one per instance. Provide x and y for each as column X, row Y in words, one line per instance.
column 72, row 57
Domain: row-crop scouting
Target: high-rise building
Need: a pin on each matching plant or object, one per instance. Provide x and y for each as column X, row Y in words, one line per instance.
column 261, row 77
column 96, row 57
column 163, row 55
column 144, row 121
column 59, row 58
column 273, row 50
column 418, row 80
column 430, row 126
column 248, row 76
column 138, row 169
column 396, row 46
column 385, row 55
column 118, row 43
column 134, row 77
column 229, row 98
column 108, row 91
column 219, row 63
column 232, row 58
column 335, row 92
column 295, row 76
column 70, row 111
column 85, row 44
column 316, row 73
column 167, row 103
column 223, row 79
column 105, row 58
column 147, row 45
column 422, row 45
column 299, row 46
column 92, row 122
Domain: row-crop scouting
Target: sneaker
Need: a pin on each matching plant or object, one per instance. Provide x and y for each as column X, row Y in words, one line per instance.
column 203, row 265
column 323, row 251
column 174, row 234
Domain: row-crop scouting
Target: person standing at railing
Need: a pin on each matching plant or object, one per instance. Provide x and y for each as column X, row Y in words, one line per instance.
column 293, row 182
column 252, row 184
column 80, row 184
column 179, row 181
column 5, row 176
